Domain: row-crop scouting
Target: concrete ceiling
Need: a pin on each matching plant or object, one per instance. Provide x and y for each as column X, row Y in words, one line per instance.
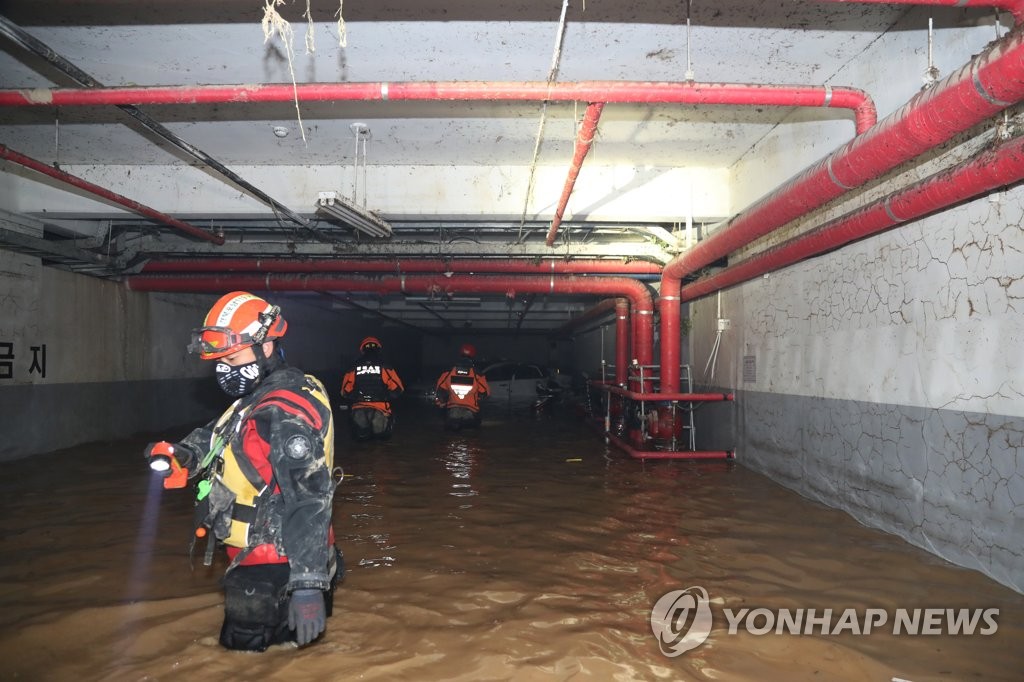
column 207, row 42
column 167, row 42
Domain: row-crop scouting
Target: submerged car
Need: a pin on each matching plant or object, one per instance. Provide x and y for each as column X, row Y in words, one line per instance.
column 516, row 384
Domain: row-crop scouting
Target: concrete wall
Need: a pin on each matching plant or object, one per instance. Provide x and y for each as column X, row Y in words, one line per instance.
column 83, row 359
column 885, row 379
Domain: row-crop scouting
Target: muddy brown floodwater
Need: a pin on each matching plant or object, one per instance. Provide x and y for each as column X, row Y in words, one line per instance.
column 526, row 550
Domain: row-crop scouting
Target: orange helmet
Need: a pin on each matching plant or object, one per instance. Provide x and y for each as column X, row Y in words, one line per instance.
column 468, row 349
column 236, row 321
column 369, row 343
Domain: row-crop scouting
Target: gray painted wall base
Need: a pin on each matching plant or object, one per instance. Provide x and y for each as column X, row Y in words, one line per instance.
column 55, row 416
column 41, row 418
column 945, row 481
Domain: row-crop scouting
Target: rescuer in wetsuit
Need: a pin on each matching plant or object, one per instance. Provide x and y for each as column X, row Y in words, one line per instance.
column 459, row 391
column 266, row 484
column 370, row 386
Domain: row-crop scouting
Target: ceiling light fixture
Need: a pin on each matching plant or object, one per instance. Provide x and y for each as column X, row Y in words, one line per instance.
column 336, row 206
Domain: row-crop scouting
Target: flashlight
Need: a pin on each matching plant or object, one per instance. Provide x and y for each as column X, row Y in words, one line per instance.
column 163, row 462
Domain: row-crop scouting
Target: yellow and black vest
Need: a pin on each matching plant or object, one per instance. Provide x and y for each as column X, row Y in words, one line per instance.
column 237, row 490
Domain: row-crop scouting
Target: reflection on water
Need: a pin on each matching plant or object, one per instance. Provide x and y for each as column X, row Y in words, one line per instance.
column 525, row 550
column 459, row 458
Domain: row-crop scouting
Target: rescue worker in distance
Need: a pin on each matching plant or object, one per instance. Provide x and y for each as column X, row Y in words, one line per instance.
column 264, row 480
column 370, row 387
column 459, row 391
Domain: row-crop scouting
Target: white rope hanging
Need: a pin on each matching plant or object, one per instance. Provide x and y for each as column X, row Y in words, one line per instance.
column 552, row 75
column 273, row 23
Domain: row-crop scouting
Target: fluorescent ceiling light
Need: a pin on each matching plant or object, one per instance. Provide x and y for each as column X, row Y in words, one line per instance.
column 335, row 205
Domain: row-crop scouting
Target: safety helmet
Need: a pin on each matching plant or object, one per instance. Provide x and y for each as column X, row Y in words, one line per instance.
column 468, row 349
column 236, row 321
column 369, row 343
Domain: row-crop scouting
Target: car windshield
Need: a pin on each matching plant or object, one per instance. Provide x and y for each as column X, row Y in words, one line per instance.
column 504, row 371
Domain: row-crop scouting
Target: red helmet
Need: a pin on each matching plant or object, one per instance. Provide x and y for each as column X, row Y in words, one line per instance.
column 236, row 321
column 468, row 349
column 369, row 343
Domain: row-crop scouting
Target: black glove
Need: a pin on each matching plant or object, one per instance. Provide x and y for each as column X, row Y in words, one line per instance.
column 307, row 615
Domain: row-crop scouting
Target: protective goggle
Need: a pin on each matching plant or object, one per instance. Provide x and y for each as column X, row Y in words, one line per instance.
column 208, row 340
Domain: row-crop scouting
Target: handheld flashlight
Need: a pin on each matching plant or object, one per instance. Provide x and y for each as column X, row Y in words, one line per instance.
column 163, row 462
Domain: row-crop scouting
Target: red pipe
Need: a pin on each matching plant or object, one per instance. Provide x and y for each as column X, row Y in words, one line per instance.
column 977, row 91
column 994, row 168
column 1012, row 6
column 584, row 139
column 622, row 341
column 621, row 308
column 688, row 397
column 639, row 296
column 396, row 266
column 594, row 312
column 74, row 180
column 669, row 454
column 633, row 92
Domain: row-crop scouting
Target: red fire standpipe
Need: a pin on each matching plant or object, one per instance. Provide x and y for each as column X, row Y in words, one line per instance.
column 978, row 90
column 396, row 266
column 622, row 341
column 983, row 173
column 75, row 181
column 584, row 138
column 629, row 92
column 440, row 285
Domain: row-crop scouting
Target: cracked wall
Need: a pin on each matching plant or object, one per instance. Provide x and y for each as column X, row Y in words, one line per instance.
column 890, row 381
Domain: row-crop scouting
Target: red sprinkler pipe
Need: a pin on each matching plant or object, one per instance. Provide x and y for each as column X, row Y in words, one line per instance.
column 397, row 266
column 624, row 92
column 622, row 341
column 1014, row 7
column 75, row 181
column 688, row 397
column 978, row 90
column 441, row 285
column 621, row 308
column 584, row 139
column 985, row 172
column 594, row 312
column 669, row 454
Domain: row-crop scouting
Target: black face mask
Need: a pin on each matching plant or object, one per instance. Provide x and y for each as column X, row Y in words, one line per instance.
column 239, row 380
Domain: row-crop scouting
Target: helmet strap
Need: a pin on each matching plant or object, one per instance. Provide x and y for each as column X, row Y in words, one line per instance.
column 261, row 360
